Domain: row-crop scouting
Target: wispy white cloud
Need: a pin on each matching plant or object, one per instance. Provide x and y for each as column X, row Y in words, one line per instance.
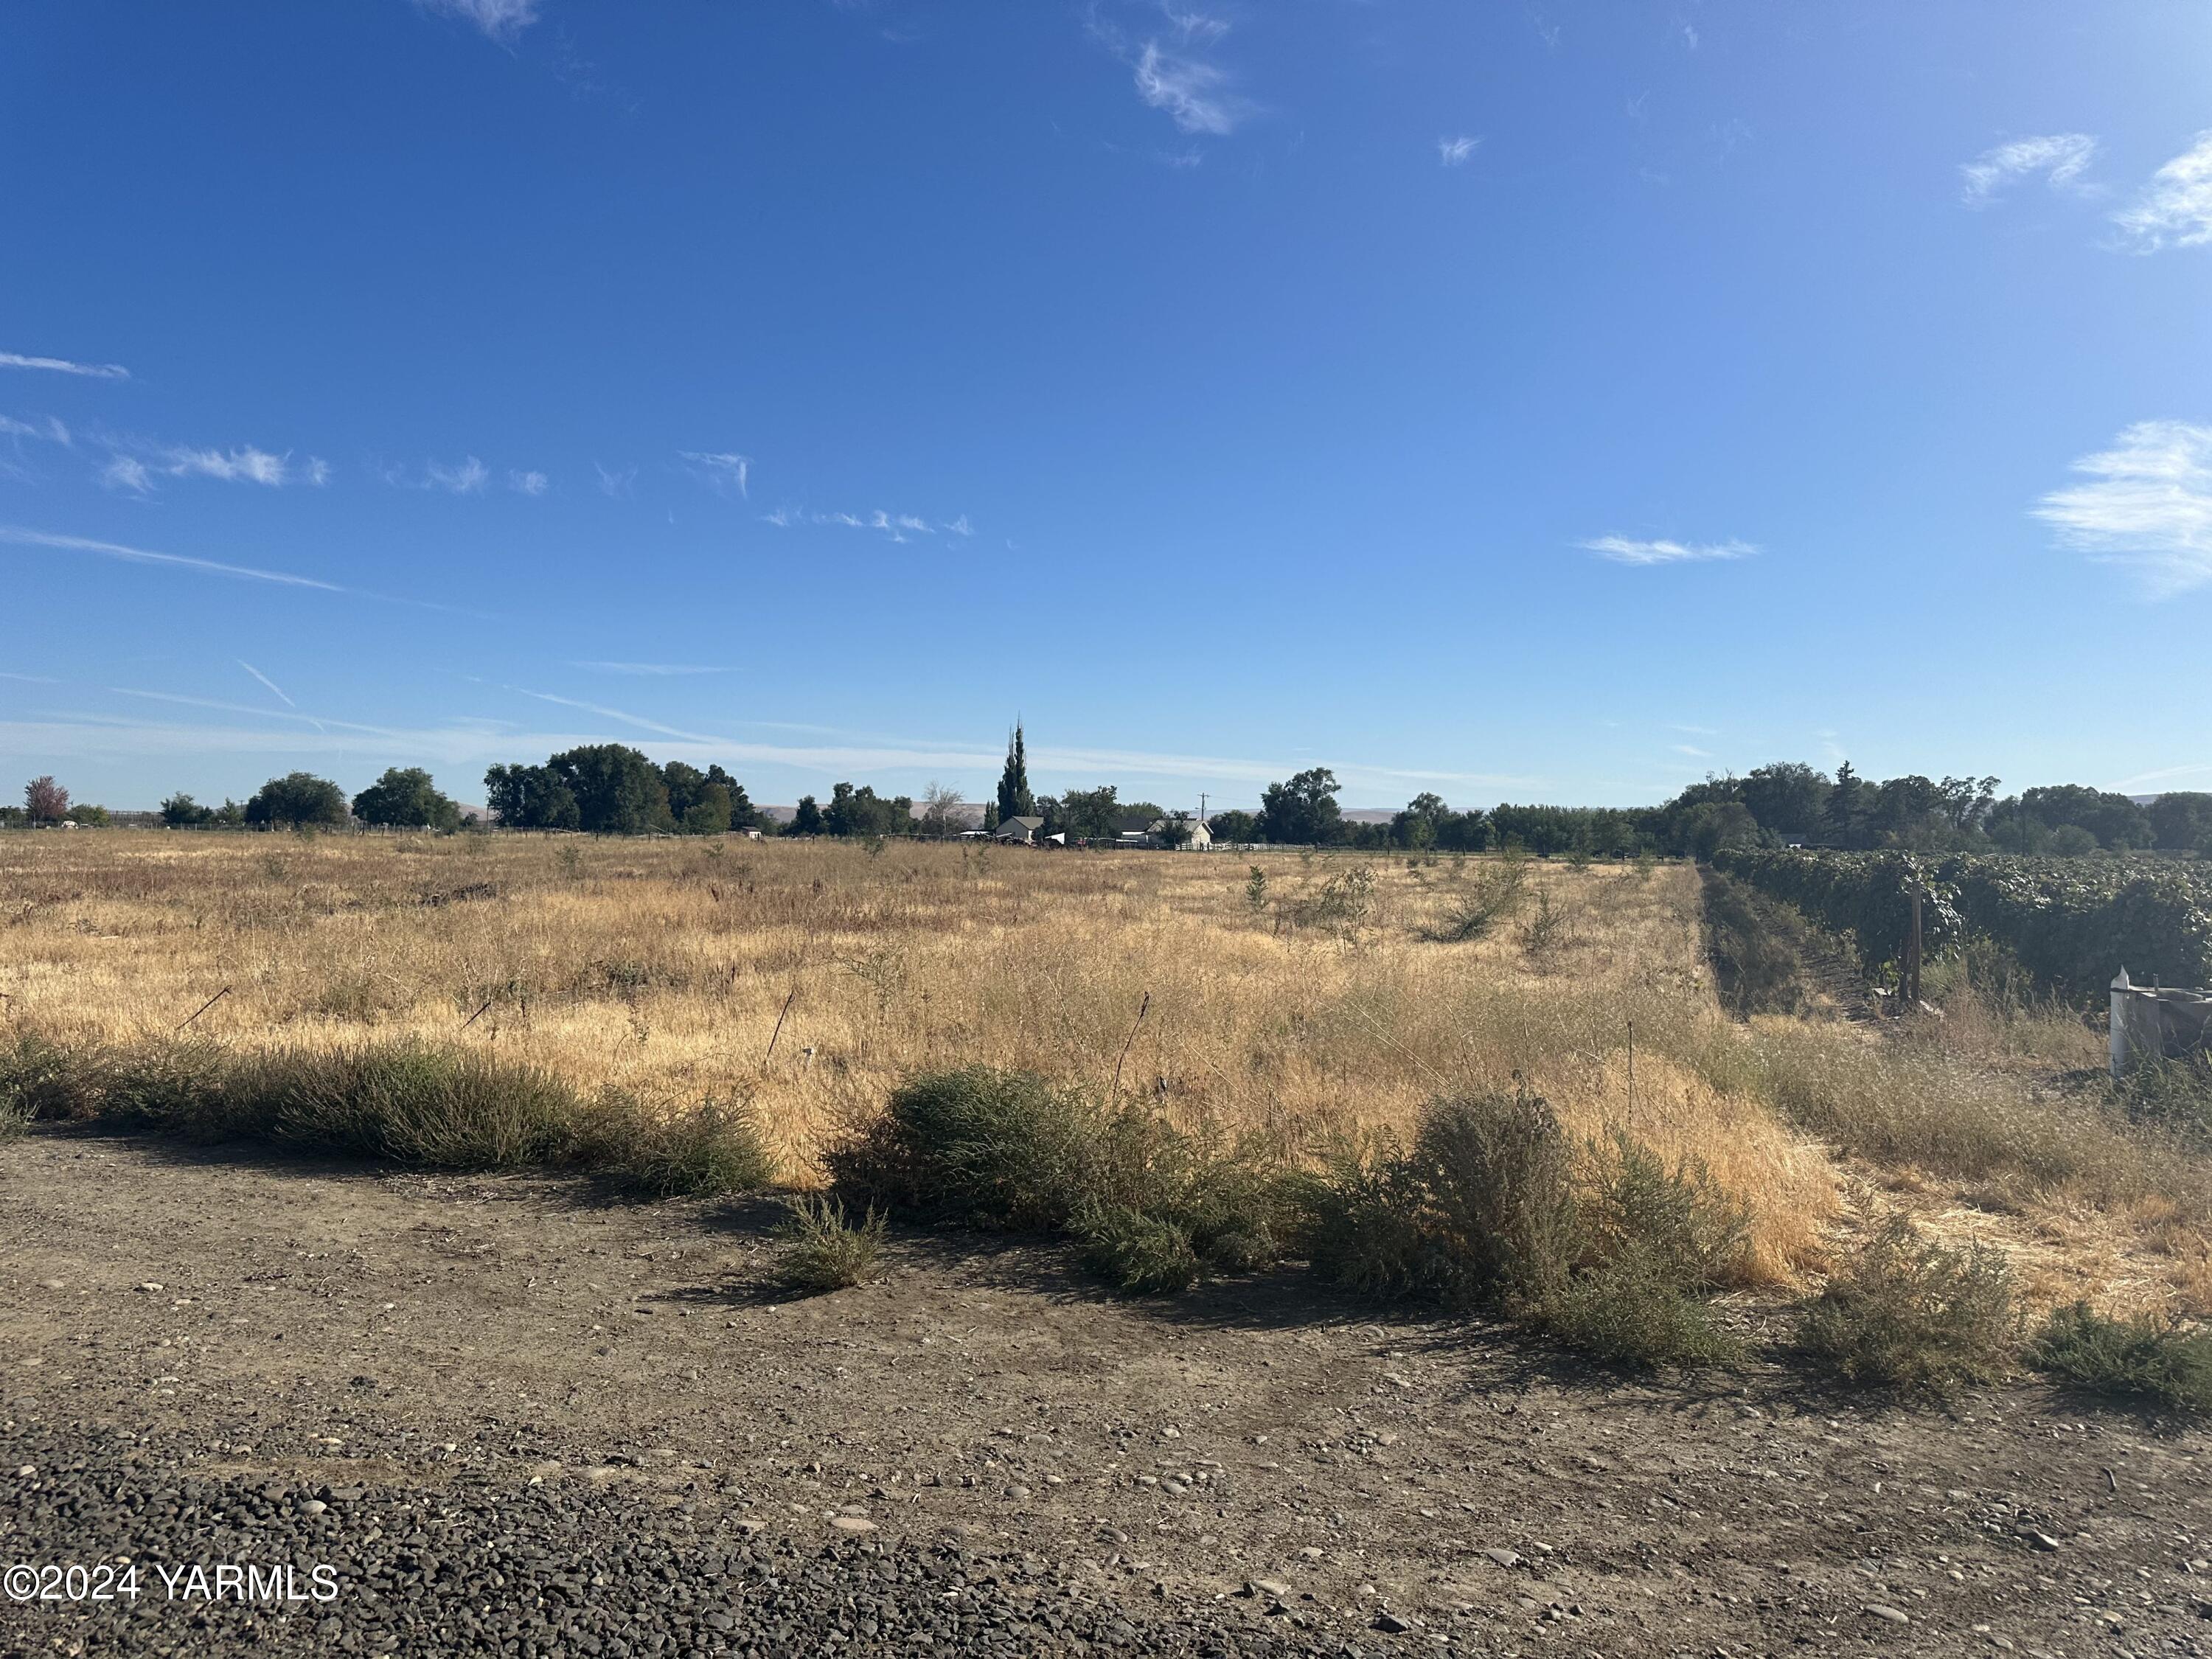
column 468, row 479
column 650, row 668
column 16, row 535
column 1177, row 79
column 1454, row 152
column 898, row 526
column 136, row 465
column 614, row 480
column 21, row 537
column 246, row 465
column 720, row 472
column 1692, row 751
column 47, row 431
column 527, row 483
column 2164, row 775
column 64, row 366
column 318, row 472
column 502, row 20
column 605, row 712
column 1621, row 549
column 1193, row 27
column 126, row 472
column 2060, row 157
column 2175, row 209
column 2148, row 505
column 473, row 741
column 1192, row 94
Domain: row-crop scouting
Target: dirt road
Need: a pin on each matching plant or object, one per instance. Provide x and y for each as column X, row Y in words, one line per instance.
column 511, row 1417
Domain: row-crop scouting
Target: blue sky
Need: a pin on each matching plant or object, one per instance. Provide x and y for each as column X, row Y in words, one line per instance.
column 1524, row 401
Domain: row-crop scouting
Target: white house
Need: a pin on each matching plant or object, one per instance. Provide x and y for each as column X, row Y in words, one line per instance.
column 1154, row 832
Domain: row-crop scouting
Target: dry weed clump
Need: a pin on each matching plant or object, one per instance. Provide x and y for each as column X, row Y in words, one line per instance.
column 1909, row 1314
column 823, row 1249
column 1491, row 1205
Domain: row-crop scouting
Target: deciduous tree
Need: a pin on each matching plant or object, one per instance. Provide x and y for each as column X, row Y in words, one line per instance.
column 44, row 801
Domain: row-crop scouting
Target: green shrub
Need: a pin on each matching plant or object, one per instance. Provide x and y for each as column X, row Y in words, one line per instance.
column 1361, row 1223
column 1479, row 1210
column 1679, row 1216
column 983, row 1147
column 448, row 1108
column 2144, row 1358
column 711, row 1149
column 1636, row 1308
column 1609, row 1251
column 42, row 1079
column 1236, row 1207
column 1907, row 1313
column 1137, row 1254
column 824, row 1251
column 431, row 1106
column 1007, row 1151
column 1498, row 1175
column 180, row 1087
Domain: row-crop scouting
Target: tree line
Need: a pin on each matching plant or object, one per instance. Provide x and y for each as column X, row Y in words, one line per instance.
column 1788, row 803
column 613, row 789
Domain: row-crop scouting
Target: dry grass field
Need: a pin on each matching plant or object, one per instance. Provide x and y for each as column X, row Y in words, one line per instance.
column 1333, row 1000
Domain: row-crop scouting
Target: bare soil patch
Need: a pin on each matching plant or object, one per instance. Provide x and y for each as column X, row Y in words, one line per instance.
column 618, row 1382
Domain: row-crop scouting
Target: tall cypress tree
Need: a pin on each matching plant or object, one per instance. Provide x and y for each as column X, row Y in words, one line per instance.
column 1015, row 800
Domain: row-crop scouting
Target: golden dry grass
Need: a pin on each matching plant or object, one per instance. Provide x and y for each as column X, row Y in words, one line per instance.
column 663, row 967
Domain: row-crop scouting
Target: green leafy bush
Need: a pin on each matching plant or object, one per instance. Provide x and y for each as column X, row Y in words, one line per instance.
column 1909, row 1314
column 977, row 1146
column 824, row 1251
column 1361, row 1222
column 2143, row 1357
column 2072, row 923
column 1137, row 1254
column 1635, row 1308
column 1680, row 1217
